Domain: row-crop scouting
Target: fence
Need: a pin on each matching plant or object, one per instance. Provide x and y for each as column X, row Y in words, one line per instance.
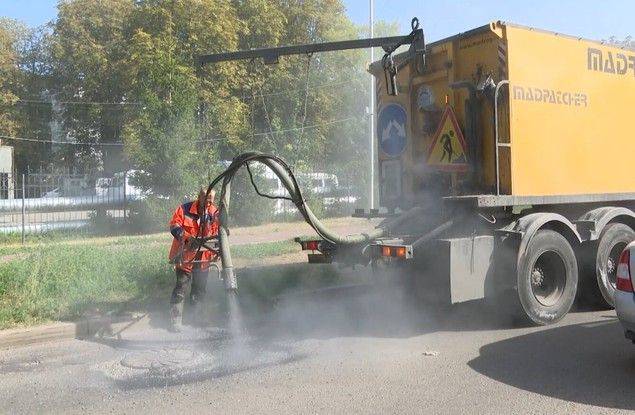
column 39, row 203
column 45, row 203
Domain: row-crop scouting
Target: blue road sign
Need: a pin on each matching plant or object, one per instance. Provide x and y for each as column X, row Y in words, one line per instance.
column 391, row 129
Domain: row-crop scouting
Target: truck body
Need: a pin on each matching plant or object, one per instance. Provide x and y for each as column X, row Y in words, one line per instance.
column 564, row 125
column 545, row 129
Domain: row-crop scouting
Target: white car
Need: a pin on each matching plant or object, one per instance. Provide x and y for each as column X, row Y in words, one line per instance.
column 114, row 187
column 53, row 193
column 625, row 293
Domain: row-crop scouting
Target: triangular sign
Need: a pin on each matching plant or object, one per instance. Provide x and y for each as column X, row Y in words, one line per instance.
column 448, row 150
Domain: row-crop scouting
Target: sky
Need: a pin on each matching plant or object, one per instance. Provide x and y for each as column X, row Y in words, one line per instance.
column 591, row 19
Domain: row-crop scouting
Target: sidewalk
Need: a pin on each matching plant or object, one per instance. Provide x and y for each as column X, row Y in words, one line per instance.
column 56, row 331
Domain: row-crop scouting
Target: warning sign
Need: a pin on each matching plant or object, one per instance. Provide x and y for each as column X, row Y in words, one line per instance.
column 448, row 151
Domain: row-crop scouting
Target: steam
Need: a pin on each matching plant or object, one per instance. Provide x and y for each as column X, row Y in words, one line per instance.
column 240, row 350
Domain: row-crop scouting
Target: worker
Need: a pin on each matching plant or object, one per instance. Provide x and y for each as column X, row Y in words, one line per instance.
column 191, row 222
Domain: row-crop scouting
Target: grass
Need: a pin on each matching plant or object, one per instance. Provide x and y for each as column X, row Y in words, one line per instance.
column 62, row 281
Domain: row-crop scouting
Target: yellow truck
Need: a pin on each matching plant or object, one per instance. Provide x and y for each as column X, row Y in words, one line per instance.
column 505, row 160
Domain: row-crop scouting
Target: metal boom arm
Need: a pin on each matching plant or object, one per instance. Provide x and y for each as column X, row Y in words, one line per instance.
column 390, row 44
column 271, row 55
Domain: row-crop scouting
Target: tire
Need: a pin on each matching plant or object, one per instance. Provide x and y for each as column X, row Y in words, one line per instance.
column 612, row 241
column 547, row 278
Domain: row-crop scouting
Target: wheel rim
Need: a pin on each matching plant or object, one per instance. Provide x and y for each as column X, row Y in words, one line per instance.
column 548, row 278
column 611, row 263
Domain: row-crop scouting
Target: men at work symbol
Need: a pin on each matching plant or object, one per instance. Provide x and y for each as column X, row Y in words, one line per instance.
column 446, row 139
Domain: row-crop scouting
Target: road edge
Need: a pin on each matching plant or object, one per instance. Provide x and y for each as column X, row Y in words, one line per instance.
column 57, row 331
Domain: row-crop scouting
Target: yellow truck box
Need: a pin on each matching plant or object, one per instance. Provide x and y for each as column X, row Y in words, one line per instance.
column 565, row 117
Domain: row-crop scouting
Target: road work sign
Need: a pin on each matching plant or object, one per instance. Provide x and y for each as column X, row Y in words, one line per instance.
column 391, row 129
column 448, row 151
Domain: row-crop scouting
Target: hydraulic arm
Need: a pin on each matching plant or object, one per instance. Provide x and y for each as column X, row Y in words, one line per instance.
column 389, row 44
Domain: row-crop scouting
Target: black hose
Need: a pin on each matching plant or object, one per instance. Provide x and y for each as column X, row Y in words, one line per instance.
column 244, row 159
column 253, row 183
column 285, row 174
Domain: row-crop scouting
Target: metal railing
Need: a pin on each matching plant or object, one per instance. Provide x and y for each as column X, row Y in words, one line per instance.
column 45, row 203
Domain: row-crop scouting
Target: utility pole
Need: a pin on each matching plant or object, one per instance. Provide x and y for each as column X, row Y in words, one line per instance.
column 371, row 196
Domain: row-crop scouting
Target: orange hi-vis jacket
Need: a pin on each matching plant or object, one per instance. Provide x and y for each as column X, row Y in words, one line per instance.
column 184, row 225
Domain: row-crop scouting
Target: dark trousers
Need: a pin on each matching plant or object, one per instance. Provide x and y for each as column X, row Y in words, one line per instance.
column 197, row 279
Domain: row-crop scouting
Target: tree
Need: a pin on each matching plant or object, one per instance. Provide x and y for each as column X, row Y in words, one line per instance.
column 310, row 110
column 89, row 56
column 35, row 112
column 293, row 104
column 169, row 139
column 9, row 76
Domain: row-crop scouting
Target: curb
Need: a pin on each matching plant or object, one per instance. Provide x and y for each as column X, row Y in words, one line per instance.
column 84, row 328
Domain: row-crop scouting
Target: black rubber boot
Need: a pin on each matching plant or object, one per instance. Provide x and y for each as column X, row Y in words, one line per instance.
column 176, row 317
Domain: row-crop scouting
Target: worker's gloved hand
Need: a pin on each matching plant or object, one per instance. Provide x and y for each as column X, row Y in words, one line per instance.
column 177, row 232
column 194, row 243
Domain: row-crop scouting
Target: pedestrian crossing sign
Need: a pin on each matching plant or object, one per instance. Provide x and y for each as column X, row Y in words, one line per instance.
column 448, row 150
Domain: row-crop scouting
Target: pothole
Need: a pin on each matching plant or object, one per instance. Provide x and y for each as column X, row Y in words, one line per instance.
column 158, row 359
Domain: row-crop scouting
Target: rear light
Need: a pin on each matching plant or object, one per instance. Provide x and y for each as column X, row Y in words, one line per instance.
column 399, row 251
column 310, row 245
column 624, row 282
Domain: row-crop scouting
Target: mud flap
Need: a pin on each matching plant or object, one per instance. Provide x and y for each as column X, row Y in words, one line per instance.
column 454, row 269
column 470, row 262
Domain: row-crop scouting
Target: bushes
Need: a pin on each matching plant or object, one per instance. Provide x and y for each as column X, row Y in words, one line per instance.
column 102, row 222
column 152, row 214
column 246, row 207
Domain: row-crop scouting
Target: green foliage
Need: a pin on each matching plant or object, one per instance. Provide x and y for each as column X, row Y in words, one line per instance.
column 9, row 75
column 34, row 119
column 89, row 48
column 62, row 282
column 246, row 207
column 151, row 214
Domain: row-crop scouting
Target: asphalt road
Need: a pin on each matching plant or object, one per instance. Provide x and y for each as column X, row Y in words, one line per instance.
column 334, row 353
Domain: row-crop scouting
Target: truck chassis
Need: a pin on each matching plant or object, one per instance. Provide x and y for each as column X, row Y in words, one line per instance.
column 541, row 252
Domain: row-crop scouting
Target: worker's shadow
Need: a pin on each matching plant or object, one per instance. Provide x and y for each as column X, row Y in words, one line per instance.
column 588, row 363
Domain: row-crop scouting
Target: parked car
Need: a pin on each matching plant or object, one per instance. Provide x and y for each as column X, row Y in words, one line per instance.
column 324, row 185
column 113, row 187
column 53, row 193
column 625, row 293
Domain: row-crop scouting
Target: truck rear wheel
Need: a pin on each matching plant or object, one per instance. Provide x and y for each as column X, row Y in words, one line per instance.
column 547, row 278
column 612, row 242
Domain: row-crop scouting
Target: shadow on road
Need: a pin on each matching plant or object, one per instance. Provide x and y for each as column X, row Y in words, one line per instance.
column 588, row 363
column 372, row 310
